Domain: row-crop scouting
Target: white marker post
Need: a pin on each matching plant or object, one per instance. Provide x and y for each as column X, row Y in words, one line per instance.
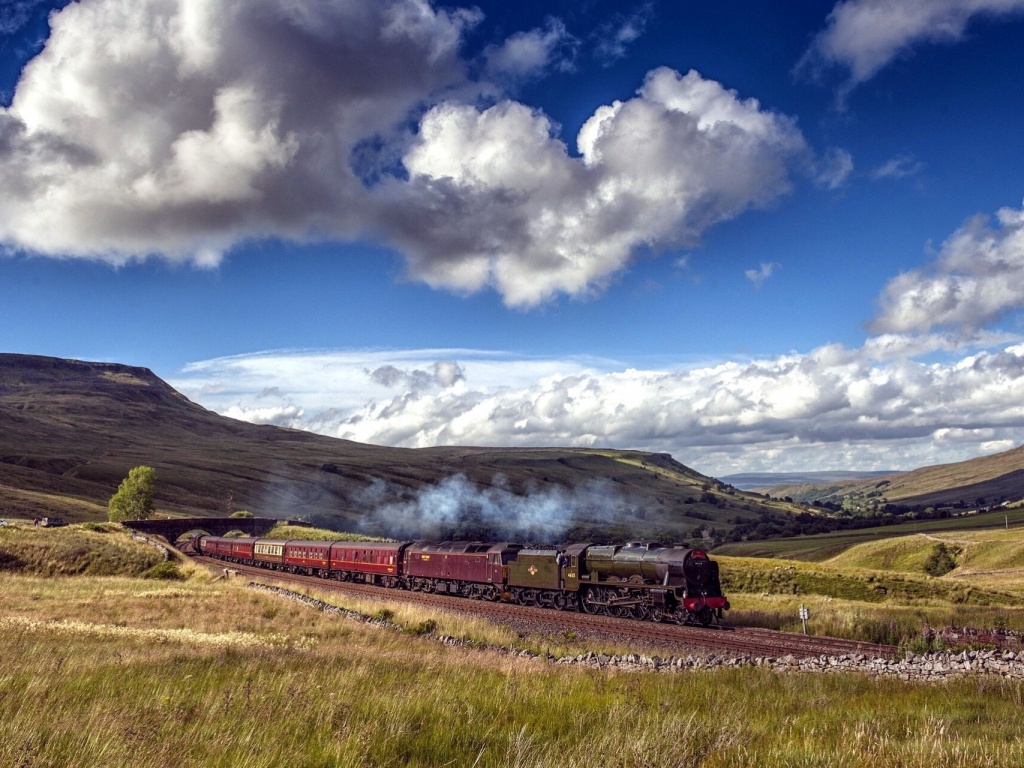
column 804, row 616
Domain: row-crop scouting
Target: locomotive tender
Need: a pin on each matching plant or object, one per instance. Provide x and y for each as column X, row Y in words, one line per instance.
column 642, row 580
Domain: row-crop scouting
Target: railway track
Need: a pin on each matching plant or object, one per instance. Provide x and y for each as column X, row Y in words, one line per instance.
column 722, row 640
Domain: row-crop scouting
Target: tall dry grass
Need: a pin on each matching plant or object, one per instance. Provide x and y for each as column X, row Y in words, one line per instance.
column 122, row 672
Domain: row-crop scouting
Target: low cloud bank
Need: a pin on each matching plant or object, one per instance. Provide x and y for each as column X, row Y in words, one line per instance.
column 832, row 408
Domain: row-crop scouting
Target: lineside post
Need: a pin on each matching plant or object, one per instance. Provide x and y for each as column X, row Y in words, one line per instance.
column 804, row 616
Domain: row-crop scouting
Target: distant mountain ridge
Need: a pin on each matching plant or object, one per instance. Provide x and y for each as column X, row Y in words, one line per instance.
column 71, row 430
column 766, row 480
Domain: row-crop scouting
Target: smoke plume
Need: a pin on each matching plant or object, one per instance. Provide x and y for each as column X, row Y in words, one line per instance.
column 456, row 508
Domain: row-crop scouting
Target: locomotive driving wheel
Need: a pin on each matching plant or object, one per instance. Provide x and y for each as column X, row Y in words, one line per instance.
column 587, row 603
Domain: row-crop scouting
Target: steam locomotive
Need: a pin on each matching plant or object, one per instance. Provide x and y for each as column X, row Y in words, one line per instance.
column 642, row 580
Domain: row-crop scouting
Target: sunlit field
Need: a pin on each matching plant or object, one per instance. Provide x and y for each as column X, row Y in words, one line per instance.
column 110, row 671
column 133, row 671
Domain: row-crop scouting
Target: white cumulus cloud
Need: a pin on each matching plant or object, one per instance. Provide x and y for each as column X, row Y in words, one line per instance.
column 513, row 209
column 977, row 278
column 529, row 54
column 866, row 35
column 180, row 129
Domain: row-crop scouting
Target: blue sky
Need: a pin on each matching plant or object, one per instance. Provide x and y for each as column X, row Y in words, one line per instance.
column 756, row 236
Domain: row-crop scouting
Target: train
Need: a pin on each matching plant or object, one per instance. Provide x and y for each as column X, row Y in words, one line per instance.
column 640, row 579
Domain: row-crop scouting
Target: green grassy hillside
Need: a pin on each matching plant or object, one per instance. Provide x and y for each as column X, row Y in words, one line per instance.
column 89, row 549
column 821, row 547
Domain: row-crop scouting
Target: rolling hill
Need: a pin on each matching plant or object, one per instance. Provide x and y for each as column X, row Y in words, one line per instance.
column 980, row 482
column 70, row 431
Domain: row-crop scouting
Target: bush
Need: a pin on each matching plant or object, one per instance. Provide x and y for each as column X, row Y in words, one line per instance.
column 425, row 627
column 166, row 570
column 941, row 561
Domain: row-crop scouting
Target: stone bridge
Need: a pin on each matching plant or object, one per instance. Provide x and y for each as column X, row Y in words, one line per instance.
column 174, row 529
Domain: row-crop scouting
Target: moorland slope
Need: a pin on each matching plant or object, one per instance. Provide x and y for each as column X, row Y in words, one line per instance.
column 70, row 430
column 979, row 482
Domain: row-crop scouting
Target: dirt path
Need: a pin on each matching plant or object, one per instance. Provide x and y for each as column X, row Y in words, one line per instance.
column 961, row 542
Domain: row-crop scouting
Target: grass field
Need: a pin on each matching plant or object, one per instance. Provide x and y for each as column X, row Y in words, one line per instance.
column 823, row 546
column 879, row 590
column 126, row 671
column 117, row 672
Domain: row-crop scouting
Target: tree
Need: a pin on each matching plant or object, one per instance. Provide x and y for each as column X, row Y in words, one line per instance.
column 134, row 497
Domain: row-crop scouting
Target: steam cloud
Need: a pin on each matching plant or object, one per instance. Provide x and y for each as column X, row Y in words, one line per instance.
column 455, row 508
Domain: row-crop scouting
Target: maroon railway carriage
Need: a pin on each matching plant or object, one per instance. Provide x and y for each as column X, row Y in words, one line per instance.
column 640, row 579
column 242, row 549
column 211, row 546
column 309, row 557
column 468, row 568
column 237, row 550
column 217, row 546
column 368, row 561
